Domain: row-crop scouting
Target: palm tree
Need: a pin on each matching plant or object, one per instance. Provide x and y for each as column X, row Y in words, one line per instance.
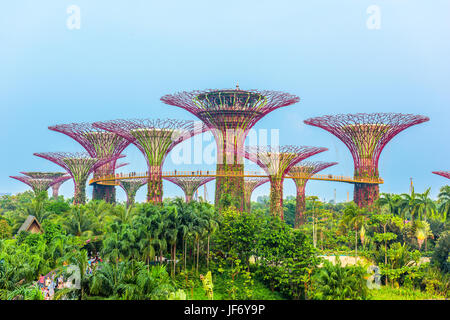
column 409, row 204
column 425, row 206
column 154, row 283
column 313, row 199
column 392, row 202
column 80, row 222
column 124, row 215
column 423, row 232
column 354, row 218
column 119, row 242
column 172, row 225
column 444, row 202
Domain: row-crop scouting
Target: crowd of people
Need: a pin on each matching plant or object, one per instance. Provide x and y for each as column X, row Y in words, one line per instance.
column 51, row 282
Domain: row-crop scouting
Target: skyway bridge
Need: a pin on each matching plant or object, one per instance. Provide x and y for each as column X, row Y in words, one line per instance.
column 113, row 180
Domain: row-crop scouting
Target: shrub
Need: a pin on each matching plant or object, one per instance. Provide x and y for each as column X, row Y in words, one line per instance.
column 334, row 282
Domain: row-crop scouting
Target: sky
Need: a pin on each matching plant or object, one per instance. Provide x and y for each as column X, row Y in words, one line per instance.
column 339, row 57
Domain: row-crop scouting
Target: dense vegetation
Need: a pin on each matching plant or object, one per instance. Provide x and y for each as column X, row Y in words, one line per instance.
column 189, row 251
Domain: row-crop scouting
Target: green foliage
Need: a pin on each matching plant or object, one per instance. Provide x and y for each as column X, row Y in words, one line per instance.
column 334, row 282
column 284, row 256
column 238, row 233
column 441, row 256
column 5, row 229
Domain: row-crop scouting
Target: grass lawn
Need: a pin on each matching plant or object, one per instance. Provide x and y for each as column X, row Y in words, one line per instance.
column 388, row 293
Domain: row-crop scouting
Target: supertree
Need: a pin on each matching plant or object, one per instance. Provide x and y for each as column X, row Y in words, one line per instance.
column 250, row 184
column 61, row 177
column 56, row 186
column 276, row 162
column 38, row 185
column 79, row 165
column 131, row 186
column 366, row 135
column 120, row 165
column 230, row 114
column 99, row 144
column 189, row 184
column 154, row 138
column 301, row 173
column 445, row 174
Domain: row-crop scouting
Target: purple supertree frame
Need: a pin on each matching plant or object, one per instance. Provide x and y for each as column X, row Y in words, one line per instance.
column 230, row 114
column 301, row 173
column 189, row 184
column 79, row 165
column 131, row 186
column 99, row 144
column 366, row 135
column 445, row 174
column 155, row 138
column 56, row 186
column 276, row 162
column 250, row 184
column 59, row 177
column 120, row 165
column 38, row 184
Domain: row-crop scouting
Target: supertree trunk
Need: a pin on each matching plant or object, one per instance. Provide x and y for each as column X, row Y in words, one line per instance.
column 188, row 197
column 231, row 185
column 365, row 195
column 102, row 192
column 79, row 196
column 55, row 190
column 300, row 208
column 130, row 199
column 276, row 196
column 247, row 202
column 155, row 186
column 230, row 158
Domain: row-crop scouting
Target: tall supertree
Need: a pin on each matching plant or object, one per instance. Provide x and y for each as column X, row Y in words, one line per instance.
column 154, row 138
column 301, row 173
column 131, row 186
column 189, row 184
column 230, row 114
column 38, row 185
column 276, row 162
column 61, row 177
column 79, row 165
column 366, row 135
column 445, row 174
column 250, row 184
column 99, row 144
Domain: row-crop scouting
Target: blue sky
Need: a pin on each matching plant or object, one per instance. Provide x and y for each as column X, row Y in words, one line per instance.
column 127, row 54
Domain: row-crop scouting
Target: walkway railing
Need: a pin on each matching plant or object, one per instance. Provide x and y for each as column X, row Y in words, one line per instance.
column 114, row 179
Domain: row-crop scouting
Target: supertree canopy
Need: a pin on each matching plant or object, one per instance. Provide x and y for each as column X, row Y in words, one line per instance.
column 366, row 135
column 155, row 139
column 189, row 184
column 61, row 177
column 250, row 184
column 120, row 165
column 99, row 144
column 230, row 114
column 131, row 186
column 37, row 184
column 445, row 174
column 276, row 162
column 79, row 165
column 301, row 173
